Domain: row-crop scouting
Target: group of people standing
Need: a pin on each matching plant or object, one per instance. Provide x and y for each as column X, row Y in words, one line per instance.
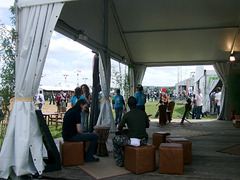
column 197, row 103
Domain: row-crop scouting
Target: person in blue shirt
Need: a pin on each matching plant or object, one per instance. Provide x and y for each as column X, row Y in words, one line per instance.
column 141, row 97
column 77, row 95
column 118, row 103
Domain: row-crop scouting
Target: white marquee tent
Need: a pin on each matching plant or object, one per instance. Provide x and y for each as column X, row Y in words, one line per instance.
column 138, row 33
column 206, row 80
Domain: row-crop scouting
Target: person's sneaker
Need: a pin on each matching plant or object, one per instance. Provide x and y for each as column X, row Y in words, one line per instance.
column 93, row 159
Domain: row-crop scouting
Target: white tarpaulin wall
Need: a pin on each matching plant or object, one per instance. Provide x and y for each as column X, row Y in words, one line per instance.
column 211, row 82
column 206, row 80
column 21, row 151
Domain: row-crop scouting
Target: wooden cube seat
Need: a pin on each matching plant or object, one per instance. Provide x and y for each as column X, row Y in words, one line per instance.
column 140, row 159
column 158, row 138
column 187, row 148
column 173, row 136
column 72, row 153
column 171, row 158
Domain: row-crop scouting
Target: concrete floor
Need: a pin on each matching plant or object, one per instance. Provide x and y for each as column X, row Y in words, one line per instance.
column 207, row 136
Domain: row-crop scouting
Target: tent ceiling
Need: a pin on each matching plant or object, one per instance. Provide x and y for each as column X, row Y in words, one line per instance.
column 156, row 32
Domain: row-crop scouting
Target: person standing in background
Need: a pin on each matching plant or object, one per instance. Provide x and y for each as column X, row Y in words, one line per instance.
column 199, row 104
column 40, row 100
column 188, row 105
column 212, row 103
column 63, row 100
column 58, row 102
column 84, row 115
column 160, row 102
column 141, row 97
column 77, row 96
column 118, row 103
column 194, row 111
column 52, row 98
column 218, row 100
column 165, row 99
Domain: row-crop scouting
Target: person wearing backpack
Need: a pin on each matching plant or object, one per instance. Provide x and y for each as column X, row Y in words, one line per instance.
column 40, row 100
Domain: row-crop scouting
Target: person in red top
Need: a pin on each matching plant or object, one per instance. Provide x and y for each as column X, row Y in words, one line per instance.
column 165, row 99
column 58, row 100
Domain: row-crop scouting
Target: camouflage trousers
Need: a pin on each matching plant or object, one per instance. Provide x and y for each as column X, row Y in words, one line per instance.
column 119, row 142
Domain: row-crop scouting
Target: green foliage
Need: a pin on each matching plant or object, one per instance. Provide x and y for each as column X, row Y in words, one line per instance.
column 7, row 55
column 7, row 76
column 122, row 81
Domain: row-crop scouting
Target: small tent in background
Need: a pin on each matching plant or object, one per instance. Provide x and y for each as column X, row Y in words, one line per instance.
column 207, row 80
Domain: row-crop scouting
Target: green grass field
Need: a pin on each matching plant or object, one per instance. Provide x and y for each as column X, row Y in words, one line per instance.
column 151, row 108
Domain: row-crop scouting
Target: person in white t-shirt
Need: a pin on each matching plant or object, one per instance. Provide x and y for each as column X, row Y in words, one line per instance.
column 199, row 104
column 218, row 99
column 40, row 100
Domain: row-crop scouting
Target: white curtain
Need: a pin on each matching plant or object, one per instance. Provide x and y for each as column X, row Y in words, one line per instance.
column 210, row 85
column 131, row 80
column 22, row 147
column 222, row 70
column 105, row 117
column 139, row 71
column 136, row 75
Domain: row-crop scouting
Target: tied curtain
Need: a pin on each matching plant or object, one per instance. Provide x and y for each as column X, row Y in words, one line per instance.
column 105, row 117
column 210, row 84
column 222, row 70
column 21, row 151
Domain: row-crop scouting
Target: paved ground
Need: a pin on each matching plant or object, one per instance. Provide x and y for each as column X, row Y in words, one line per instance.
column 207, row 137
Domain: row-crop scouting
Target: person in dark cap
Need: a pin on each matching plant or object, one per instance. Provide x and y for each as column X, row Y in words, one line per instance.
column 141, row 97
column 137, row 121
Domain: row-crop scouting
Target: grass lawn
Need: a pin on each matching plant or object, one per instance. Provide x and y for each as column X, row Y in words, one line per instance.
column 151, row 108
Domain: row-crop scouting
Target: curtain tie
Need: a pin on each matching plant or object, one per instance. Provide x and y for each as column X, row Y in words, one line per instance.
column 22, row 99
column 107, row 98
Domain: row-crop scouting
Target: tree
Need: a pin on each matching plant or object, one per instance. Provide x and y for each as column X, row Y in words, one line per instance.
column 7, row 58
column 122, row 81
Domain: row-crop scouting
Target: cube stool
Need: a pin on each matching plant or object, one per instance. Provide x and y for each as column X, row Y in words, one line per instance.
column 171, row 158
column 140, row 159
column 72, row 153
column 187, row 148
column 173, row 136
column 158, row 138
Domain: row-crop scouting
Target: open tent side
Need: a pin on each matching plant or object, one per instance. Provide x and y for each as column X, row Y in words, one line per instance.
column 124, row 30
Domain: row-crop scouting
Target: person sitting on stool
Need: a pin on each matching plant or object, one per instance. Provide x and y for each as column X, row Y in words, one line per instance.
column 137, row 121
column 72, row 129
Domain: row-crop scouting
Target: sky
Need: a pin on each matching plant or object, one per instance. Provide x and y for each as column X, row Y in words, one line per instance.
column 70, row 63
